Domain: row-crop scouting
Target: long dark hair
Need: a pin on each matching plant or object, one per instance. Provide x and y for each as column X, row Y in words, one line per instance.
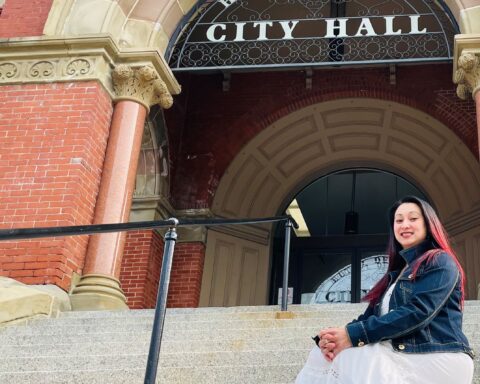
column 435, row 233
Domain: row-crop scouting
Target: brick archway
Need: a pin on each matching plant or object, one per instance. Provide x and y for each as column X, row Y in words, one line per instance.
column 248, row 109
column 339, row 134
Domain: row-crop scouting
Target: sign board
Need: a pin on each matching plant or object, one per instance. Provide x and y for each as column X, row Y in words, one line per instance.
column 337, row 288
column 227, row 34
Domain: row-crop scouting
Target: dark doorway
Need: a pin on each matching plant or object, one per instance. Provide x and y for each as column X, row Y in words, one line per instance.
column 339, row 252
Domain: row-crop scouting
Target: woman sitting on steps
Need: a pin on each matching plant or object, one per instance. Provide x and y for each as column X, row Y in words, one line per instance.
column 411, row 332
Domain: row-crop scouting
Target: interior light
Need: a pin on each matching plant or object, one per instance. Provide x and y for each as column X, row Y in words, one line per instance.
column 295, row 211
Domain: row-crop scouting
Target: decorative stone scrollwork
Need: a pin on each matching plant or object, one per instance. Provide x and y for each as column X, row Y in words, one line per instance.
column 78, row 67
column 8, row 71
column 42, row 69
column 142, row 84
column 467, row 76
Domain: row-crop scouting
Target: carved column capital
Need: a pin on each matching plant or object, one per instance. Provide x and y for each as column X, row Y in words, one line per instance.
column 141, row 84
column 467, row 75
column 466, row 65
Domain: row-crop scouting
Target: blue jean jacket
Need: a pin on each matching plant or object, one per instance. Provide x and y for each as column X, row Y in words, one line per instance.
column 424, row 315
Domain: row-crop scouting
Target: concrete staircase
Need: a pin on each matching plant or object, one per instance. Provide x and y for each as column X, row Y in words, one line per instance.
column 207, row 345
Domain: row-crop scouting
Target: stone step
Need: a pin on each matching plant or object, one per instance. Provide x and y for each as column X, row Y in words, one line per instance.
column 105, row 324
column 168, row 360
column 186, row 375
column 142, row 324
column 136, row 333
column 235, row 345
column 261, row 318
column 142, row 346
column 275, row 374
column 192, row 314
column 71, row 326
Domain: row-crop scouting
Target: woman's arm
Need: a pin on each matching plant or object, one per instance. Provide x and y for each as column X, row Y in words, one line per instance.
column 429, row 292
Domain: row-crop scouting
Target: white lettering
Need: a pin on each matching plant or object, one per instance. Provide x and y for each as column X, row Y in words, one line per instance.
column 239, row 35
column 389, row 26
column 262, row 33
column 334, row 28
column 341, row 28
column 227, row 3
column 287, row 30
column 366, row 26
column 414, row 25
column 211, row 32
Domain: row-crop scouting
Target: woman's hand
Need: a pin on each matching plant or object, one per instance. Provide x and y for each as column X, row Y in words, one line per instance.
column 333, row 341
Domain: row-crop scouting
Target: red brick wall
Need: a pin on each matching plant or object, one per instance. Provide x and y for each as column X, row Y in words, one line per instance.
column 186, row 279
column 142, row 258
column 53, row 139
column 24, row 17
column 141, row 266
column 215, row 125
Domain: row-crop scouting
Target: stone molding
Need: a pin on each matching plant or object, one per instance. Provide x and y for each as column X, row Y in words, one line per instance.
column 464, row 223
column 50, row 60
column 149, row 208
column 260, row 234
column 96, row 291
column 466, row 61
column 145, row 208
column 141, row 84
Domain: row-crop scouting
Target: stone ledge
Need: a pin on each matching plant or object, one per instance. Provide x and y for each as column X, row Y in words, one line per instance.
column 20, row 302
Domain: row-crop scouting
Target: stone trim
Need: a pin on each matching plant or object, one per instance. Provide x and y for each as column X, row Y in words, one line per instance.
column 466, row 65
column 50, row 60
column 464, row 223
column 260, row 234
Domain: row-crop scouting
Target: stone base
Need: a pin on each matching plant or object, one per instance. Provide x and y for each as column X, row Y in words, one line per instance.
column 19, row 302
column 97, row 292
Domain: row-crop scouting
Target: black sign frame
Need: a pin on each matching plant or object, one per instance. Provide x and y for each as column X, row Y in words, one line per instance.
column 248, row 34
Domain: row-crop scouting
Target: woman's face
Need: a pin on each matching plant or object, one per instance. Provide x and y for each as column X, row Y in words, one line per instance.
column 409, row 225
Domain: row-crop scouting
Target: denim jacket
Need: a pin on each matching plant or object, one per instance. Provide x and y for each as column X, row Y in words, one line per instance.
column 425, row 313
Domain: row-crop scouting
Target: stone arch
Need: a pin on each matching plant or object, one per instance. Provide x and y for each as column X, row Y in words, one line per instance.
column 148, row 23
column 339, row 134
column 328, row 136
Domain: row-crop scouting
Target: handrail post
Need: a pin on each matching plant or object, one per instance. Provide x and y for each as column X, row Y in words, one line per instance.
column 160, row 309
column 286, row 262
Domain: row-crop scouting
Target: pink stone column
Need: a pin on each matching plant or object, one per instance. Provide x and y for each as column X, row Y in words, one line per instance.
column 136, row 88
column 477, row 102
column 99, row 287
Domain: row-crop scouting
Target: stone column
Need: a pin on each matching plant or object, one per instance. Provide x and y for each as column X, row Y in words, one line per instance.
column 466, row 64
column 467, row 70
column 136, row 89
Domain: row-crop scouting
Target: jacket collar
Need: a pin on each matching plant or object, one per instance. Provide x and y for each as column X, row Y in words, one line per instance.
column 410, row 254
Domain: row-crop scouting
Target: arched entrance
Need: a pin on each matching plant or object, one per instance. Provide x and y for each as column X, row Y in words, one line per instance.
column 316, row 141
column 338, row 251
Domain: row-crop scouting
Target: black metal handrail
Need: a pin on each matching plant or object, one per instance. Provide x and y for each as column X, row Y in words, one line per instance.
column 170, row 240
column 34, row 233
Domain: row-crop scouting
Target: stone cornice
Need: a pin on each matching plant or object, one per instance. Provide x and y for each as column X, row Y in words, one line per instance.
column 49, row 59
column 466, row 65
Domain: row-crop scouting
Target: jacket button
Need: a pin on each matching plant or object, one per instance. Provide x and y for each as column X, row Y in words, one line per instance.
column 361, row 344
column 401, row 347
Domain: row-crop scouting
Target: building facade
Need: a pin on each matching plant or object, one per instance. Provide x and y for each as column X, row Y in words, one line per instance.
column 114, row 111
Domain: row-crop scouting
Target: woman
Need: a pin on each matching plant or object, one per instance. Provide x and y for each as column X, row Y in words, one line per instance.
column 411, row 331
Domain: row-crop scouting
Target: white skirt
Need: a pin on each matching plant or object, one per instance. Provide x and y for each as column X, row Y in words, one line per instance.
column 379, row 363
